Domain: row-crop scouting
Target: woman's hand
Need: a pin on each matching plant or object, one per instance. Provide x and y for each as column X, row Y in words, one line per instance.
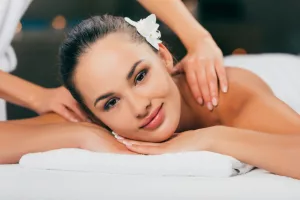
column 203, row 66
column 94, row 138
column 195, row 140
column 60, row 101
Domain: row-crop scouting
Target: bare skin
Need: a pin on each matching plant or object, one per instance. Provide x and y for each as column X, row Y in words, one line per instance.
column 250, row 105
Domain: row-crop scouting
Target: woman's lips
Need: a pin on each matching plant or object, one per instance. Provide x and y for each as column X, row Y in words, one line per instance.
column 156, row 119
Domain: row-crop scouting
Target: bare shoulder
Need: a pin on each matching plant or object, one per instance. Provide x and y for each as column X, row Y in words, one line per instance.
column 244, row 85
column 242, row 79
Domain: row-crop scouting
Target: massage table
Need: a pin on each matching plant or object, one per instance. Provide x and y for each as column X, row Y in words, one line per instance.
column 280, row 71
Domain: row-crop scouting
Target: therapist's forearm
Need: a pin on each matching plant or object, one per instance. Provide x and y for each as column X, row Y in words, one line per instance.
column 277, row 153
column 18, row 91
column 178, row 18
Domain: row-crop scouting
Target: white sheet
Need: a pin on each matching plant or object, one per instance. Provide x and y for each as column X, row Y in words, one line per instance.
column 17, row 183
column 204, row 163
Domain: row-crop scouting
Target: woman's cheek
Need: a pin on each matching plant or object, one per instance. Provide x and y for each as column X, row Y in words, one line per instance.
column 158, row 84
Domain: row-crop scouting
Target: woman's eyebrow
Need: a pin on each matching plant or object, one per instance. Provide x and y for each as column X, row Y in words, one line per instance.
column 129, row 75
column 131, row 72
column 104, row 96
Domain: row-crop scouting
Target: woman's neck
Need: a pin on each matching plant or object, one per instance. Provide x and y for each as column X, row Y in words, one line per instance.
column 193, row 115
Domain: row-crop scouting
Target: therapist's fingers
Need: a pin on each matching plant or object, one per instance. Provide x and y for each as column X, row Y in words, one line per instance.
column 191, row 77
column 73, row 105
column 221, row 72
column 203, row 84
column 66, row 113
column 212, row 82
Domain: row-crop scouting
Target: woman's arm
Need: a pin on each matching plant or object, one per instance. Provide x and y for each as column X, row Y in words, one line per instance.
column 19, row 139
column 49, row 132
column 277, row 153
column 49, row 118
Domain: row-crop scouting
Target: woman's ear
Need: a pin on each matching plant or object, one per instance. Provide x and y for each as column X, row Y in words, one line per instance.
column 166, row 57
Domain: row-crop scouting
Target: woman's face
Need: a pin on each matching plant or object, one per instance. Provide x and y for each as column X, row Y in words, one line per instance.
column 127, row 86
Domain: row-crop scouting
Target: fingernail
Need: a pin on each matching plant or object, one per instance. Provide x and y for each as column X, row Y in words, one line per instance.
column 200, row 100
column 225, row 89
column 209, row 106
column 74, row 120
column 127, row 143
column 215, row 101
column 119, row 137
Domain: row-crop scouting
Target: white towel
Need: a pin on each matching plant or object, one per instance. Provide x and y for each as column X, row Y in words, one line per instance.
column 202, row 163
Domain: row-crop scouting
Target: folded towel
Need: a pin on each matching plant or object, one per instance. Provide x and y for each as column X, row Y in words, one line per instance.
column 203, row 163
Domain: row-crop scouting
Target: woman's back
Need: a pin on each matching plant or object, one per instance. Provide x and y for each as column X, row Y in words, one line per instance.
column 279, row 71
column 244, row 86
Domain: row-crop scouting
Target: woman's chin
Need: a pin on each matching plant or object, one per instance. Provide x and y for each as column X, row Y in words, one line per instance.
column 163, row 134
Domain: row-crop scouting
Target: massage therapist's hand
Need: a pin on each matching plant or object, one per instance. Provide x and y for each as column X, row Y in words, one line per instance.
column 203, row 66
column 194, row 140
column 60, row 101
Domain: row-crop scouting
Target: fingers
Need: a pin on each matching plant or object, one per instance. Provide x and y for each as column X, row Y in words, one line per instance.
column 193, row 83
column 73, row 106
column 141, row 147
column 66, row 113
column 221, row 72
column 212, row 82
column 203, row 84
column 138, row 142
column 145, row 149
column 179, row 67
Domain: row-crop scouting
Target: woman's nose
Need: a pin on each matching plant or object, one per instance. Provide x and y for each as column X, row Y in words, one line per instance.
column 140, row 105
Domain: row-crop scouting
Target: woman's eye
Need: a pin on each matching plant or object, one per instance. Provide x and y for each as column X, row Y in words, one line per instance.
column 110, row 103
column 140, row 76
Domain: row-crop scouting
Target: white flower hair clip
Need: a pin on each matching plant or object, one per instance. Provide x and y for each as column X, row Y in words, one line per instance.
column 148, row 28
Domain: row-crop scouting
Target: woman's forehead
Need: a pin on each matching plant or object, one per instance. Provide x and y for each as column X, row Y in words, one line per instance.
column 108, row 65
column 115, row 49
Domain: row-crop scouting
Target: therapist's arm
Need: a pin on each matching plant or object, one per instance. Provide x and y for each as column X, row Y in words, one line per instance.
column 203, row 63
column 39, row 99
column 18, row 91
column 178, row 18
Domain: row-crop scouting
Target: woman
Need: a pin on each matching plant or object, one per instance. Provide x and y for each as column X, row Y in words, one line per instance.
column 123, row 84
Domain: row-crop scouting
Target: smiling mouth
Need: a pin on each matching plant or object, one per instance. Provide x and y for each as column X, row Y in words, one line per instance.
column 155, row 119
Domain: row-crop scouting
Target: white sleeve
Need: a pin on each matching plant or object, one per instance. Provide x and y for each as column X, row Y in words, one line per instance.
column 11, row 12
